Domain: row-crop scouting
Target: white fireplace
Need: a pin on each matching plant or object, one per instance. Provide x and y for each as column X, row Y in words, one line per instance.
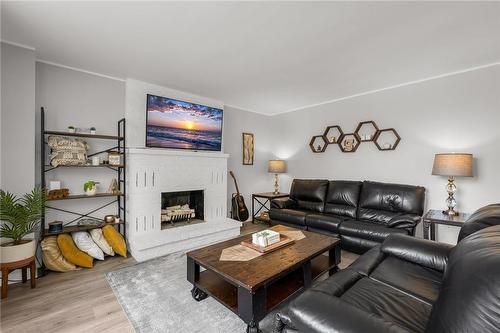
column 155, row 171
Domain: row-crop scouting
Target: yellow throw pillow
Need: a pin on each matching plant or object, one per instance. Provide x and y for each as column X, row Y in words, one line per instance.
column 72, row 253
column 52, row 256
column 115, row 239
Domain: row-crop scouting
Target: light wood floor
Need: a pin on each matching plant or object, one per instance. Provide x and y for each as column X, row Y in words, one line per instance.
column 79, row 301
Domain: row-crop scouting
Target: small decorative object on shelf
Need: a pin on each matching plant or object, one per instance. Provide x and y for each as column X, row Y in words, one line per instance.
column 57, row 194
column 89, row 222
column 318, row 144
column 333, row 134
column 349, row 143
column 387, row 139
column 90, row 187
column 55, row 226
column 92, row 130
column 109, row 219
column 366, row 131
column 54, row 185
column 114, row 158
column 96, row 160
column 71, row 129
column 113, row 187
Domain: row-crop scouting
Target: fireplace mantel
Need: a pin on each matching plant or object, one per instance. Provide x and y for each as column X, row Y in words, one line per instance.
column 153, row 171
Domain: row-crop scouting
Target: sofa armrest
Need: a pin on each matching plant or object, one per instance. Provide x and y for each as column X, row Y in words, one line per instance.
column 317, row 312
column 422, row 252
column 282, row 203
column 404, row 221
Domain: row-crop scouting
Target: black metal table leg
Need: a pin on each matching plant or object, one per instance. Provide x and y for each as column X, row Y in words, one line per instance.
column 335, row 254
column 306, row 270
column 433, row 231
column 426, row 225
column 252, row 307
column 193, row 275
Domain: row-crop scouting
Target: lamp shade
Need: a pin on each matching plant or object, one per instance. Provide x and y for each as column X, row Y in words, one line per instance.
column 276, row 166
column 452, row 164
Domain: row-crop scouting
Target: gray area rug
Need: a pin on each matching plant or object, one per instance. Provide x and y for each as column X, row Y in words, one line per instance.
column 156, row 297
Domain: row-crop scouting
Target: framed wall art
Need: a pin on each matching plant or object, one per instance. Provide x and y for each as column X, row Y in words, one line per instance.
column 248, row 148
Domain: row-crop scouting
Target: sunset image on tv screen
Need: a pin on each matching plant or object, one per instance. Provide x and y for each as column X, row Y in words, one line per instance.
column 171, row 123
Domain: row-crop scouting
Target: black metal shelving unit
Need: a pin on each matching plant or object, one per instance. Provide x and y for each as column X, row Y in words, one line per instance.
column 121, row 170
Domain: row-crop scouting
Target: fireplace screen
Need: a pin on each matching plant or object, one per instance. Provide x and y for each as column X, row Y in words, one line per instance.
column 181, row 206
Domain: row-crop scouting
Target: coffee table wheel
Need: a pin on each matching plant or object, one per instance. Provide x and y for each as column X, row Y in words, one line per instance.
column 252, row 327
column 198, row 294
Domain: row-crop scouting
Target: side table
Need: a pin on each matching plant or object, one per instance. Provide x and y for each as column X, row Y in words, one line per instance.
column 435, row 216
column 22, row 264
column 262, row 204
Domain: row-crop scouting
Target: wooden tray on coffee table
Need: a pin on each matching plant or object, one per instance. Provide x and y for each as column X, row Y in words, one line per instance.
column 284, row 241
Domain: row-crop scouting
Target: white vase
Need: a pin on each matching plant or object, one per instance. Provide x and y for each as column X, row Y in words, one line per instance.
column 91, row 192
column 11, row 253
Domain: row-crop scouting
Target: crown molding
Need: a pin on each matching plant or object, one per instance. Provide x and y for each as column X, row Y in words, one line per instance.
column 80, row 70
column 18, row 45
column 374, row 91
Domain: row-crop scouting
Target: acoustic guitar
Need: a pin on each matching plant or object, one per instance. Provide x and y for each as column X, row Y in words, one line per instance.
column 238, row 208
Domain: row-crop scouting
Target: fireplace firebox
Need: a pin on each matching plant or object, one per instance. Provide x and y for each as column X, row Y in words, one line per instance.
column 183, row 206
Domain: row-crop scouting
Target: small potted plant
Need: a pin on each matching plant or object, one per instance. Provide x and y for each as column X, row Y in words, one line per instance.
column 20, row 217
column 71, row 129
column 92, row 130
column 90, row 187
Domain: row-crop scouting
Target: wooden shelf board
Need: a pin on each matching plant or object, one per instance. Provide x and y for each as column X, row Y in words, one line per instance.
column 86, row 166
column 74, row 228
column 84, row 196
column 219, row 289
column 85, row 135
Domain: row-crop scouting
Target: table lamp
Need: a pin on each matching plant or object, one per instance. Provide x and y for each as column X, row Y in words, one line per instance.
column 452, row 165
column 276, row 166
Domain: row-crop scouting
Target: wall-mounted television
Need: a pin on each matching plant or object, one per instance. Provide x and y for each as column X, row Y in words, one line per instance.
column 175, row 124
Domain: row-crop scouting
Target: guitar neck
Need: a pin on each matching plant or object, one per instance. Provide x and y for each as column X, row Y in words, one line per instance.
column 235, row 182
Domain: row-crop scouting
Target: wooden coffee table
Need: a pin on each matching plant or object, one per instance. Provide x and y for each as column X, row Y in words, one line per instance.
column 253, row 288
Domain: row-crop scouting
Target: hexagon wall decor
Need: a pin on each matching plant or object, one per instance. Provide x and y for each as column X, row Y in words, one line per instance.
column 387, row 139
column 318, row 144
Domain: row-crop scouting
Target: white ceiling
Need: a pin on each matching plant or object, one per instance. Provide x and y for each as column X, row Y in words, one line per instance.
column 261, row 56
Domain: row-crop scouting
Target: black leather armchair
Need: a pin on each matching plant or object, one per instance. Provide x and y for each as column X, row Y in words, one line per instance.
column 362, row 214
column 409, row 285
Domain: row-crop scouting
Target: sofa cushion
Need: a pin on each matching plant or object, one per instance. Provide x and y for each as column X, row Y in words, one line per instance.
column 380, row 202
column 421, row 282
column 367, row 230
column 292, row 216
column 388, row 303
column 342, row 198
column 356, row 244
column 484, row 217
column 309, row 193
column 323, row 221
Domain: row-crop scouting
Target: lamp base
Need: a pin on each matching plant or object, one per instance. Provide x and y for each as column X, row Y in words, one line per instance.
column 450, row 212
column 276, row 184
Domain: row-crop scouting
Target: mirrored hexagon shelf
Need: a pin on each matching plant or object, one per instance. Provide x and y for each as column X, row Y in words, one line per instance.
column 318, row 144
column 366, row 131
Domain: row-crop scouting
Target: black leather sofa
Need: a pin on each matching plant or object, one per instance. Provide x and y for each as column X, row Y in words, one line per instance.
column 363, row 214
column 410, row 285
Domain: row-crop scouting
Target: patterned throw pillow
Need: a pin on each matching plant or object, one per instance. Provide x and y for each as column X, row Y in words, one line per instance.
column 99, row 239
column 85, row 243
column 52, row 256
column 67, row 151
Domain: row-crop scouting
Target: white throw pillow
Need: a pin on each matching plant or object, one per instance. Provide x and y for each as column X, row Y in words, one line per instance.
column 85, row 243
column 99, row 239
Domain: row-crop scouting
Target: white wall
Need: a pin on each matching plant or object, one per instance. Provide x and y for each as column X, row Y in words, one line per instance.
column 457, row 113
column 251, row 178
column 82, row 100
column 17, row 119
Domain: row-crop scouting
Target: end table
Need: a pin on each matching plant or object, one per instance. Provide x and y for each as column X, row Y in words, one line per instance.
column 435, row 216
column 267, row 196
